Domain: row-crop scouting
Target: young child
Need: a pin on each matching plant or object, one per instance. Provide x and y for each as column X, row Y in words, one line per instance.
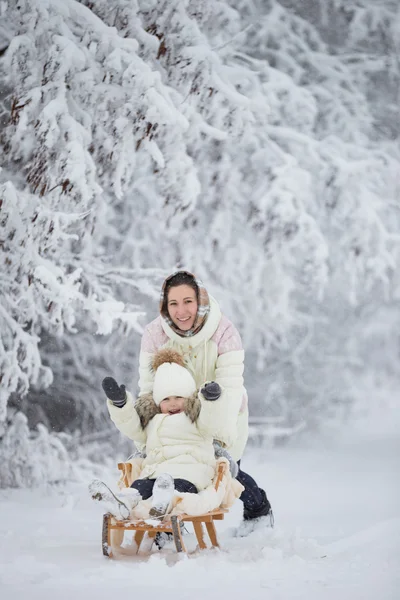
column 175, row 424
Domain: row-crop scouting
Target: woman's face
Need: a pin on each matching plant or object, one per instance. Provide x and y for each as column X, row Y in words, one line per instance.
column 182, row 306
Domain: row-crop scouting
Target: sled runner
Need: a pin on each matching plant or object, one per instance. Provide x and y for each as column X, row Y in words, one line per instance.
column 113, row 530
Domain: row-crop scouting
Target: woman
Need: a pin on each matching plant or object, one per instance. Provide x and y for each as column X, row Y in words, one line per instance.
column 191, row 322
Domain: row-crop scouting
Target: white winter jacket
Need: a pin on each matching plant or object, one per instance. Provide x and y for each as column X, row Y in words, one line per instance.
column 215, row 353
column 181, row 444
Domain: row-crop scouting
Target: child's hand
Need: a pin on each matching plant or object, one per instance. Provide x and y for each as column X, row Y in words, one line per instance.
column 211, row 391
column 114, row 392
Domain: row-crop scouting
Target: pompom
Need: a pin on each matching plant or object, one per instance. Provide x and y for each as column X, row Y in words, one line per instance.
column 167, row 355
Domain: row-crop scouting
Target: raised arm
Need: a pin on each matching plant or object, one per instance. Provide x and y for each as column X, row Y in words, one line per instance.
column 122, row 411
column 224, row 411
column 222, row 414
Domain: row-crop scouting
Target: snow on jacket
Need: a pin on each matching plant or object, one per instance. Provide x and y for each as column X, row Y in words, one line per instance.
column 180, row 444
column 215, row 353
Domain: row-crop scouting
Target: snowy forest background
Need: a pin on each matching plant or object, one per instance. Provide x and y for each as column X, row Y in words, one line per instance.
column 254, row 142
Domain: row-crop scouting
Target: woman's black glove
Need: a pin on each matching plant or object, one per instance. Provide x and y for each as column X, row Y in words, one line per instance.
column 114, row 392
column 211, row 391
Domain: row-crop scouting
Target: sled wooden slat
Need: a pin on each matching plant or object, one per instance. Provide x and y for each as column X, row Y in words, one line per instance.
column 139, row 535
column 212, row 532
column 200, row 519
column 177, row 533
column 126, row 469
column 106, row 537
column 172, row 525
column 217, row 513
column 139, row 525
column 198, row 529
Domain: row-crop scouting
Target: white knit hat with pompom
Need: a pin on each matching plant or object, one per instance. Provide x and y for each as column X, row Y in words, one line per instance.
column 171, row 377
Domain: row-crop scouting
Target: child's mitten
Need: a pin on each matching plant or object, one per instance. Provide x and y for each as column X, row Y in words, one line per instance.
column 211, row 391
column 114, row 392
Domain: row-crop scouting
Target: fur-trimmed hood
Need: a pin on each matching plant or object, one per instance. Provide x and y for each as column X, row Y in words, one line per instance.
column 146, row 408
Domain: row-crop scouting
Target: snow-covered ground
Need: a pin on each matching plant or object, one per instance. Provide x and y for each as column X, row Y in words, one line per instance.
column 337, row 535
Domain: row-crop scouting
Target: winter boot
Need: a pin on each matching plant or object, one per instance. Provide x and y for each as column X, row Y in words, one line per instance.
column 120, row 505
column 256, row 518
column 165, row 537
column 162, row 538
column 163, row 492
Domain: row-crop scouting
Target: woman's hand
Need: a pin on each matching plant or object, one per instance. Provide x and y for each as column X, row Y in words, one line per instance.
column 116, row 393
column 220, row 451
column 211, row 391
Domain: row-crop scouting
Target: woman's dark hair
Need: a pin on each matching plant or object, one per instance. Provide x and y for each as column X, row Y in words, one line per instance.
column 180, row 278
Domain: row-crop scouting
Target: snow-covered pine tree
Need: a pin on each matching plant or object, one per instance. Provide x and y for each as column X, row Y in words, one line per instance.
column 66, row 134
column 313, row 202
column 245, row 206
column 31, row 458
column 233, row 138
column 338, row 51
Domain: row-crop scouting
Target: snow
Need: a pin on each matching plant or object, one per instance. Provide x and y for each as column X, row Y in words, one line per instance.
column 256, row 145
column 337, row 534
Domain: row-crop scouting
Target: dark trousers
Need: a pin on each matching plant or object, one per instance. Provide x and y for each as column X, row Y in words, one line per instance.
column 145, row 487
column 255, row 501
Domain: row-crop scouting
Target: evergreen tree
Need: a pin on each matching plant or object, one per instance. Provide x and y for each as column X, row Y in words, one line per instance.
column 255, row 143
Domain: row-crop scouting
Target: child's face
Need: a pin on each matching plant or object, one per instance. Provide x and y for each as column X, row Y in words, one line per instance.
column 172, row 405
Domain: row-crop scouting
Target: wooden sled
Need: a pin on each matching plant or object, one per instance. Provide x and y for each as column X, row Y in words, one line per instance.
column 113, row 530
